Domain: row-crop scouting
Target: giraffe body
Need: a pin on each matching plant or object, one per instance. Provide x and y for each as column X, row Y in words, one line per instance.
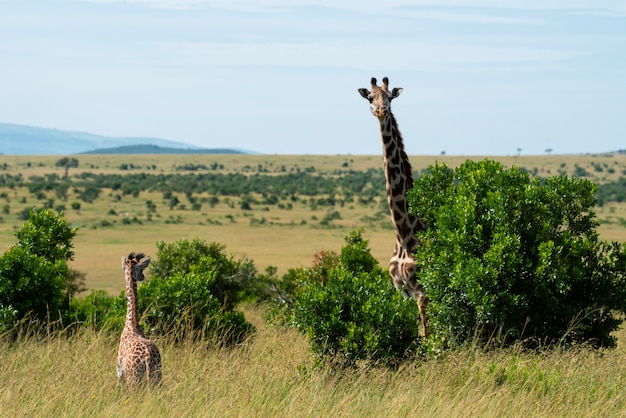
column 399, row 179
column 138, row 358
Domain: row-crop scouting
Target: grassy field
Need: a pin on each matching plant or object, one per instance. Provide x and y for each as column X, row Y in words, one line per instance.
column 266, row 234
column 274, row 374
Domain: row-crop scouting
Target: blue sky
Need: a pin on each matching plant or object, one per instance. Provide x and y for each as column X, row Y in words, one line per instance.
column 480, row 77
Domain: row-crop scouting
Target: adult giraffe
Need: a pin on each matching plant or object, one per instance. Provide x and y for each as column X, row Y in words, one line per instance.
column 399, row 179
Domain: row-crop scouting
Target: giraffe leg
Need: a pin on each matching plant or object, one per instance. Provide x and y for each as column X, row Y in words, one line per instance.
column 411, row 288
column 422, row 303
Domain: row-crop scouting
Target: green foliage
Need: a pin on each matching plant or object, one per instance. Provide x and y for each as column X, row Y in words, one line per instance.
column 99, row 310
column 67, row 163
column 349, row 310
column 34, row 272
column 191, row 295
column 183, row 306
column 31, row 286
column 47, row 234
column 234, row 278
column 355, row 255
column 512, row 257
column 614, row 191
column 89, row 193
column 365, row 183
column 8, row 317
column 193, row 291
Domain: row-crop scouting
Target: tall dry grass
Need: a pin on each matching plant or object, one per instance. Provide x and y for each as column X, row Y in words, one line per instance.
column 274, row 374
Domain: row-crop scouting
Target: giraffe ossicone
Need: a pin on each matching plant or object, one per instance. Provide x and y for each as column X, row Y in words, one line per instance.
column 138, row 358
column 399, row 180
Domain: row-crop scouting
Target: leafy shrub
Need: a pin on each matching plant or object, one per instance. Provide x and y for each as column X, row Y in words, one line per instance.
column 349, row 309
column 282, row 293
column 516, row 257
column 34, row 273
column 183, row 306
column 8, row 317
column 31, row 286
column 233, row 279
column 47, row 234
column 99, row 310
column 193, row 291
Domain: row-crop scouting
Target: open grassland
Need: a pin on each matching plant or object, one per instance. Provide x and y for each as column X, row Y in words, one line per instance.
column 610, row 166
column 284, row 235
column 274, row 374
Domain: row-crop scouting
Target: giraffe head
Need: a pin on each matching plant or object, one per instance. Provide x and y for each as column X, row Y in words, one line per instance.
column 135, row 265
column 380, row 97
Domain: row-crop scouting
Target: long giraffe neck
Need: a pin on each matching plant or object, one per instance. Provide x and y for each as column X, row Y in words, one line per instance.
column 131, row 324
column 399, row 178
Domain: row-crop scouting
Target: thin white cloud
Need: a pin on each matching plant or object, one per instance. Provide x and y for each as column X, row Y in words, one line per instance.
column 402, row 56
column 609, row 7
column 450, row 16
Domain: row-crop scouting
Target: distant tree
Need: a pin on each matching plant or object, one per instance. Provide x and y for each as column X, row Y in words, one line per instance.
column 61, row 190
column 23, row 214
column 173, row 202
column 67, row 163
column 548, row 151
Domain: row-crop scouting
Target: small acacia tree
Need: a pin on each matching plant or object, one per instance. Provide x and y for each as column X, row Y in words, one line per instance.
column 516, row 258
column 67, row 163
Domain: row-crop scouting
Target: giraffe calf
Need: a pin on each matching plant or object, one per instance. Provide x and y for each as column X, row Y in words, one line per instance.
column 138, row 358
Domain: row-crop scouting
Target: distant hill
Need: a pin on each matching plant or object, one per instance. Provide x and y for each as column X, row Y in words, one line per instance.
column 155, row 149
column 30, row 140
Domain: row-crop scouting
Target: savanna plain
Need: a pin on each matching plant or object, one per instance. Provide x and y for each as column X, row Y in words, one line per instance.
column 274, row 373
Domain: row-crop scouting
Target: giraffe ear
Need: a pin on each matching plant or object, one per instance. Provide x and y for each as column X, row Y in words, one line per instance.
column 144, row 263
column 364, row 93
column 123, row 263
column 395, row 92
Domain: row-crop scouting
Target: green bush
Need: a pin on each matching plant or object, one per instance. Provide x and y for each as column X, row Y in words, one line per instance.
column 349, row 309
column 516, row 258
column 233, row 281
column 99, row 310
column 34, row 273
column 183, row 306
column 193, row 291
column 191, row 295
column 31, row 286
column 47, row 234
